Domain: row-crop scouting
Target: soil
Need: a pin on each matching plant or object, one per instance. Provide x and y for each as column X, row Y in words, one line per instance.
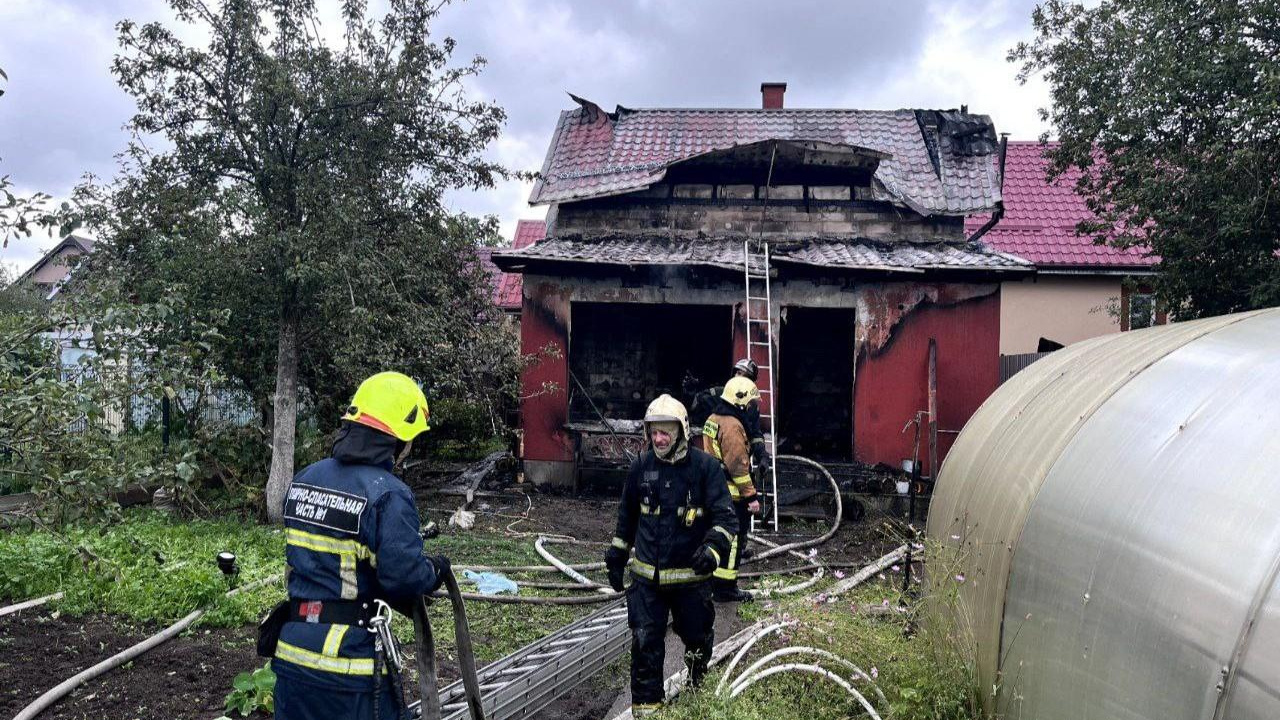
column 186, row 678
column 190, row 677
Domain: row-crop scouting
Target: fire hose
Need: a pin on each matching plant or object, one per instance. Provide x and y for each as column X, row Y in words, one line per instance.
column 428, row 684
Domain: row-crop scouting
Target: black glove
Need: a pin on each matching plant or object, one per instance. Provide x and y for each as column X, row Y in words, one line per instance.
column 442, row 566
column 615, row 559
column 615, row 578
column 704, row 561
column 760, row 453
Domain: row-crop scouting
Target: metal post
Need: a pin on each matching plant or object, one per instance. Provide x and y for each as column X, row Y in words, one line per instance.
column 164, row 422
column 933, row 410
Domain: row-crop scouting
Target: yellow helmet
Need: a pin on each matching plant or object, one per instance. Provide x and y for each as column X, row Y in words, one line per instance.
column 740, row 391
column 391, row 402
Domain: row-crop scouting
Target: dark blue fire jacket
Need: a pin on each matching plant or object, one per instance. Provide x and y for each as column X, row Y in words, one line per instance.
column 352, row 533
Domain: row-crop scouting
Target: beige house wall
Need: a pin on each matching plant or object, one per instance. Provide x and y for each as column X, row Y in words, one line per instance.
column 1062, row 308
column 55, row 270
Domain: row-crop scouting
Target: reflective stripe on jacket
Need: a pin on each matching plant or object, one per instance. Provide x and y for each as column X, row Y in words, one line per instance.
column 725, row 437
column 351, row 533
column 669, row 510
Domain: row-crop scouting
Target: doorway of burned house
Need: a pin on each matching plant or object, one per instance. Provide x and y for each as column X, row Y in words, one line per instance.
column 815, row 383
column 626, row 354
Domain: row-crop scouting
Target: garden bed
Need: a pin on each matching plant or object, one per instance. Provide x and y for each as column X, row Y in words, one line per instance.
column 127, row 582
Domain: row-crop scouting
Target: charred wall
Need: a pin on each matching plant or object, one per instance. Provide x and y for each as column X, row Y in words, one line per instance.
column 799, row 210
column 892, row 323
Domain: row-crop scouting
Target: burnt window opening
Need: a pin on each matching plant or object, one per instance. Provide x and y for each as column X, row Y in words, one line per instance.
column 627, row 354
column 815, row 390
column 780, row 162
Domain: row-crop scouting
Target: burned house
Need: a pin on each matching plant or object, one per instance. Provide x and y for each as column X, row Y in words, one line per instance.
column 640, row 281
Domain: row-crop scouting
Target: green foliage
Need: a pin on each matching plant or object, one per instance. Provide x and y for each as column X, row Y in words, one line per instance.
column 19, row 298
column 300, row 189
column 66, row 432
column 1168, row 109
column 147, row 568
column 460, row 430
column 253, row 692
column 232, row 460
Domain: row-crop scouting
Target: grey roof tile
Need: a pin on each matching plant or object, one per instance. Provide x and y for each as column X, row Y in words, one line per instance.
column 594, row 153
column 726, row 252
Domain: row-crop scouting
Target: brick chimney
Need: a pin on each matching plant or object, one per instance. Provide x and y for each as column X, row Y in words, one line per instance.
column 771, row 95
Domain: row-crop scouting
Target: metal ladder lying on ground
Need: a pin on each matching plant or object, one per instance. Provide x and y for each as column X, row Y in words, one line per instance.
column 521, row 684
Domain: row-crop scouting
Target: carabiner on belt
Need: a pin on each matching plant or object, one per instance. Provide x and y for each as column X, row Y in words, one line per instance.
column 384, row 641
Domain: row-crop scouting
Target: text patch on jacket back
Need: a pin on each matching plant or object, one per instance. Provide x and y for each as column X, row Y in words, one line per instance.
column 324, row 507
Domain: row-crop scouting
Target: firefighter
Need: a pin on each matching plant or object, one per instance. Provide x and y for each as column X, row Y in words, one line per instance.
column 352, row 540
column 705, row 401
column 675, row 512
column 724, row 435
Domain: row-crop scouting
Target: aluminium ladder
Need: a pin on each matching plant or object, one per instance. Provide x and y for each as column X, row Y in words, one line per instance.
column 759, row 316
column 519, row 685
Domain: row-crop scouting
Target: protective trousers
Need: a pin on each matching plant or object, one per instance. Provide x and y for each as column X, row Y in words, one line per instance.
column 726, row 576
column 307, row 702
column 693, row 619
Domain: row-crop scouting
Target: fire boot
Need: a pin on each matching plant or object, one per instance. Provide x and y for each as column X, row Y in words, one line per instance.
column 728, row 591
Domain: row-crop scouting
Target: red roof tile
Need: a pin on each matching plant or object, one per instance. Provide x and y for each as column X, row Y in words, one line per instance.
column 507, row 287
column 1040, row 217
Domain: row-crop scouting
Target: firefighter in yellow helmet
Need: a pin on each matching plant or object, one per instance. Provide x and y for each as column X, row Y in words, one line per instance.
column 724, row 435
column 352, row 539
column 675, row 512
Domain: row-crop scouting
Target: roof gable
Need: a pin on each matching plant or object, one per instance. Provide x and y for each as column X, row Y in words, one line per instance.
column 71, row 246
column 596, row 154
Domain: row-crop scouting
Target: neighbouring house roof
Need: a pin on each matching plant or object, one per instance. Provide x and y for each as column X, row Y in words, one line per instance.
column 507, row 287
column 1041, row 216
column 70, row 247
column 76, row 243
column 725, row 252
column 944, row 171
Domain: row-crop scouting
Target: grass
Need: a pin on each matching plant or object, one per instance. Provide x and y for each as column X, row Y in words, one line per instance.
column 914, row 664
column 151, row 568
column 154, row 569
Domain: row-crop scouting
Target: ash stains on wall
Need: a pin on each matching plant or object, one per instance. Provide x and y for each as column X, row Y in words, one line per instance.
column 882, row 306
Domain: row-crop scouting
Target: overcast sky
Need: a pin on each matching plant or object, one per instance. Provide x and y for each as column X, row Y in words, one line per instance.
column 62, row 113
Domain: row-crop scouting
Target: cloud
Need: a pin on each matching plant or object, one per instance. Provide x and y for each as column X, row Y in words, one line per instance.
column 62, row 114
column 963, row 63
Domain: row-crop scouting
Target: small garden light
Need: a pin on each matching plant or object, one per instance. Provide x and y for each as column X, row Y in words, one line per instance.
column 227, row 564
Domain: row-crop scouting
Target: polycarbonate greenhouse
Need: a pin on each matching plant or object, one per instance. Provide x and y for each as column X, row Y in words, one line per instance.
column 1115, row 512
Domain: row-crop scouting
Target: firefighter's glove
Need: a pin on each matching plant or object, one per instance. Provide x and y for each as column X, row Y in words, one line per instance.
column 704, row 561
column 615, row 559
column 760, row 453
column 441, row 565
column 616, row 575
